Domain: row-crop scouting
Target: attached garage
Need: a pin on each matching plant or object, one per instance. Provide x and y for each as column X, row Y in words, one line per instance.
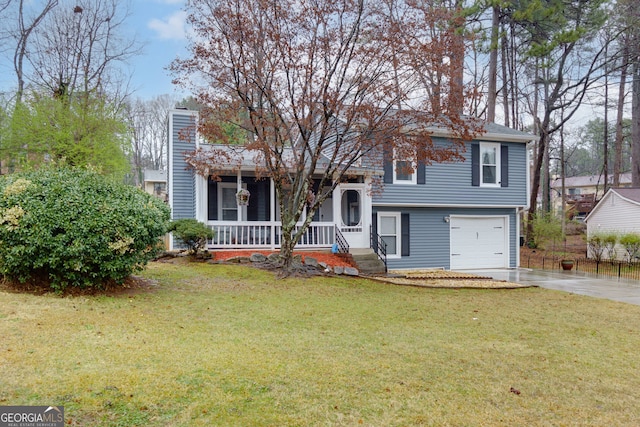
column 479, row 242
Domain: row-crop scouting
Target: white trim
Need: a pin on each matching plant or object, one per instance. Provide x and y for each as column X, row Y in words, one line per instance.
column 170, row 171
column 240, row 210
column 414, row 174
column 398, row 235
column 498, row 150
column 201, row 197
column 446, row 205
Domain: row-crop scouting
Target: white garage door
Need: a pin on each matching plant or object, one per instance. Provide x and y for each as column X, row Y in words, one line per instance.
column 478, row 242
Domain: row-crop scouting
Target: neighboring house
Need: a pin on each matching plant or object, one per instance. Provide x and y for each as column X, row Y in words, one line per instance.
column 155, row 182
column 582, row 192
column 618, row 212
column 454, row 215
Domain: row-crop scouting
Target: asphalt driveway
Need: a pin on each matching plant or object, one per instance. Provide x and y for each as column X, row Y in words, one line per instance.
column 570, row 281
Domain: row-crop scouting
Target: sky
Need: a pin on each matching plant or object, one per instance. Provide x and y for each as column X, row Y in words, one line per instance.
column 160, row 26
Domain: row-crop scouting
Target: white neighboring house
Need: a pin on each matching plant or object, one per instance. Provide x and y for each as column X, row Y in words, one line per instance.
column 617, row 212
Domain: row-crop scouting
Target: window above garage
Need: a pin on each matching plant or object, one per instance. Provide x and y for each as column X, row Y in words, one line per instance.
column 489, row 164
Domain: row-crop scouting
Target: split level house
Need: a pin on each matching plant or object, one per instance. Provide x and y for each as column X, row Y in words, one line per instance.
column 453, row 215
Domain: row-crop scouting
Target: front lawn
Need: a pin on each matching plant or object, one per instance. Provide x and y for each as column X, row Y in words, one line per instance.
column 231, row 346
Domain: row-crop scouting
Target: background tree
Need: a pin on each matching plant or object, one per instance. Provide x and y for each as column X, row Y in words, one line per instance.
column 67, row 57
column 75, row 132
column 19, row 24
column 80, row 47
column 147, row 121
column 564, row 64
column 315, row 84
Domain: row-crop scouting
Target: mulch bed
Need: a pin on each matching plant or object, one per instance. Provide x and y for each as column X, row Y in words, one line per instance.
column 330, row 259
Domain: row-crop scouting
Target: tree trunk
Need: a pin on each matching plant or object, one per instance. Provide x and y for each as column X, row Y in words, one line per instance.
column 456, row 84
column 493, row 67
column 617, row 164
column 506, row 85
column 635, row 122
column 605, row 136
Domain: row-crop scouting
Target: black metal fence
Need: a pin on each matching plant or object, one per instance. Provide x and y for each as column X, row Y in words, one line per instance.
column 619, row 269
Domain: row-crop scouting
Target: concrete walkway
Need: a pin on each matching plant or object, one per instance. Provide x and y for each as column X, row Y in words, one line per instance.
column 570, row 281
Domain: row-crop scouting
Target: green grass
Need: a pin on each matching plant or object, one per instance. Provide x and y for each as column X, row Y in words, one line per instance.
column 233, row 346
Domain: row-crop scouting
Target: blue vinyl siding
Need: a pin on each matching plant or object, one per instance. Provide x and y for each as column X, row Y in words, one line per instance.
column 183, row 185
column 450, row 184
column 430, row 235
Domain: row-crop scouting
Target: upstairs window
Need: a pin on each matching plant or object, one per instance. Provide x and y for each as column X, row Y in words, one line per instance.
column 404, row 172
column 489, row 164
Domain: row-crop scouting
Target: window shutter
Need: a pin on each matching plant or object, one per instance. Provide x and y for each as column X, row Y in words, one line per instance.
column 388, row 165
column 421, row 178
column 404, row 230
column 504, row 165
column 475, row 164
column 374, row 226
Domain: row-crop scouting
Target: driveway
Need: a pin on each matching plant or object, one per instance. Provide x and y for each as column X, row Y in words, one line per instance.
column 570, row 281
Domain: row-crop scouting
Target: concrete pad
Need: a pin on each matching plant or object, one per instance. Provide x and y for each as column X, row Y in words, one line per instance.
column 612, row 288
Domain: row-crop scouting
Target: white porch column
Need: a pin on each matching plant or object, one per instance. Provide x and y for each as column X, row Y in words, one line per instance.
column 241, row 209
column 201, row 198
column 272, row 213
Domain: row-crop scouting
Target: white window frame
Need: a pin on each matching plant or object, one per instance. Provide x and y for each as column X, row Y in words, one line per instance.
column 490, row 145
column 239, row 212
column 398, row 235
column 414, row 174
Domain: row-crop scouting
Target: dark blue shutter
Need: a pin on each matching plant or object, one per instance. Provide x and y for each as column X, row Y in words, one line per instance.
column 475, row 164
column 388, row 165
column 404, row 230
column 374, row 226
column 504, row 166
column 421, row 178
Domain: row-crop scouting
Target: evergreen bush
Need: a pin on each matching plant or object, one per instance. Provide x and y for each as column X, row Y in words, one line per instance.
column 192, row 233
column 76, row 228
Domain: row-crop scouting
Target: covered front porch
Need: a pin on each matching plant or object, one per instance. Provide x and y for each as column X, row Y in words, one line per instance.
column 255, row 223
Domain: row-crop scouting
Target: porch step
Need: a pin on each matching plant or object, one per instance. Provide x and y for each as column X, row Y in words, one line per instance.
column 367, row 261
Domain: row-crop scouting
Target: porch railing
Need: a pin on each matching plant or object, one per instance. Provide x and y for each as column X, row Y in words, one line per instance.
column 379, row 246
column 267, row 235
column 343, row 245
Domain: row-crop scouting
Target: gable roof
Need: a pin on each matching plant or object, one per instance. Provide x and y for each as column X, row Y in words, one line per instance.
column 589, row 180
column 631, row 195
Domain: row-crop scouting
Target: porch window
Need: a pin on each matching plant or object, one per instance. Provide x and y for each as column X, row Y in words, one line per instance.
column 227, row 208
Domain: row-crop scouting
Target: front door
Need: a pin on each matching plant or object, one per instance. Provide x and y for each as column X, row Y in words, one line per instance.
column 353, row 207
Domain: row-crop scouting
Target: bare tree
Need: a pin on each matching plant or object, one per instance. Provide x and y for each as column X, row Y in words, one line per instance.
column 147, row 121
column 26, row 22
column 79, row 48
column 315, row 84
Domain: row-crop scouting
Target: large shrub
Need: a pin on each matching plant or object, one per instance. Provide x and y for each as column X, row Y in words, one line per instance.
column 72, row 227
